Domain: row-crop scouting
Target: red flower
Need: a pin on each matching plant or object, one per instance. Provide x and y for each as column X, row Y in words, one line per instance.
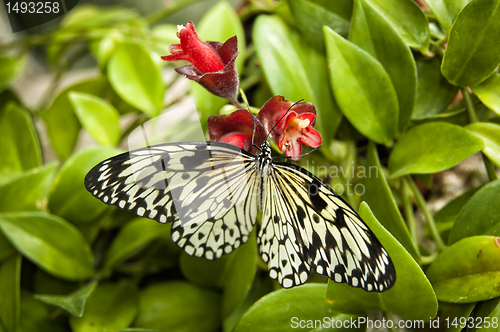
column 291, row 127
column 236, row 128
column 212, row 63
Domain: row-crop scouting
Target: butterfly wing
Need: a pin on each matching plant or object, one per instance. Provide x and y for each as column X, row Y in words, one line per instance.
column 329, row 236
column 208, row 190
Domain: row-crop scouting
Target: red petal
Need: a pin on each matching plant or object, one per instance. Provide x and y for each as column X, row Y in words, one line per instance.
column 310, row 137
column 200, row 54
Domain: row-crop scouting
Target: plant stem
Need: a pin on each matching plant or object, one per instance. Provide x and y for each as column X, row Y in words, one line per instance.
column 470, row 107
column 430, row 219
column 410, row 217
column 490, row 169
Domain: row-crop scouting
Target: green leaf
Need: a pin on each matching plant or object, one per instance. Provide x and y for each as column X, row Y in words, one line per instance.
column 310, row 17
column 297, row 73
column 374, row 34
column 468, row 271
column 233, row 273
column 483, row 209
column 135, row 77
column 38, row 317
column 6, row 249
column 284, row 309
column 419, row 301
column 10, row 292
column 453, row 312
column 362, row 88
column 179, row 306
column 445, row 218
column 434, row 93
column 485, row 311
column 68, row 197
column 29, row 190
column 110, row 307
column 446, row 11
column 488, row 92
column 98, row 117
column 490, row 134
column 50, row 242
column 279, row 59
column 92, row 16
column 473, row 52
column 132, row 238
column 378, row 194
column 74, row 303
column 19, row 142
column 432, row 147
column 407, row 19
column 10, row 68
column 62, row 124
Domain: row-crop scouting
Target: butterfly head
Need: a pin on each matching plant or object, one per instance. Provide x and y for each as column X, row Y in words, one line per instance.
column 265, row 149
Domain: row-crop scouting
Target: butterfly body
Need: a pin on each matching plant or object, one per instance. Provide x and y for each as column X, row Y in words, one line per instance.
column 211, row 192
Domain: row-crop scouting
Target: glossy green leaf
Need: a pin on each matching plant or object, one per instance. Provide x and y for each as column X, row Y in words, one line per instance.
column 90, row 16
column 374, row 34
column 407, row 19
column 284, row 309
column 468, row 271
column 378, row 195
column 419, row 301
column 490, row 134
column 74, row 303
column 452, row 312
column 297, row 74
column 98, row 117
column 233, row 273
column 133, row 237
column 446, row 217
column 483, row 209
column 434, row 93
column 446, row 11
column 179, row 306
column 62, row 124
column 488, row 92
column 311, row 17
column 10, row 68
column 50, row 242
column 135, row 77
column 341, row 7
column 68, row 197
column 485, row 313
column 6, row 249
column 10, row 292
column 432, row 147
column 19, row 142
column 110, row 307
column 29, row 190
column 37, row 316
column 473, row 53
column 362, row 88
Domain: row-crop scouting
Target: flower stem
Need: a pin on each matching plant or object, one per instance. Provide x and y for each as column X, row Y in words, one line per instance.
column 430, row 219
column 410, row 217
column 470, row 107
column 490, row 169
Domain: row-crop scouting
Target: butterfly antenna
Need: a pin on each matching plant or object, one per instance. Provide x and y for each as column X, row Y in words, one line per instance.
column 288, row 110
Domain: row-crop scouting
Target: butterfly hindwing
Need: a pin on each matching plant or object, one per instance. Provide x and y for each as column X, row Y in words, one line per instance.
column 331, row 236
column 204, row 188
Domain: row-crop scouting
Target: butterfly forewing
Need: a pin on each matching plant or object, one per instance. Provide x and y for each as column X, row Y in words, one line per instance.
column 208, row 190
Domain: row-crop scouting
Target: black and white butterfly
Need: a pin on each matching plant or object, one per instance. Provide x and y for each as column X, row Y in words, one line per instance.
column 212, row 192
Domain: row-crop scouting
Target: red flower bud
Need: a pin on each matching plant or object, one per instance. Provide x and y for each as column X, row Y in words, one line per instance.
column 236, row 128
column 212, row 63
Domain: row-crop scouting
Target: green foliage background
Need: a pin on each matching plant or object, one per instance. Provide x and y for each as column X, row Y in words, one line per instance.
column 385, row 89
